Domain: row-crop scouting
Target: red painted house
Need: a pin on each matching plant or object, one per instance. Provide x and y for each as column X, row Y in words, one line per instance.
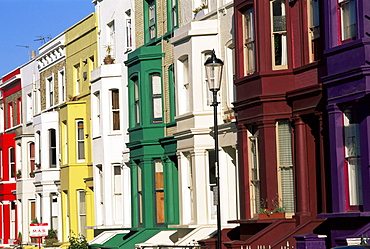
column 10, row 113
column 281, row 136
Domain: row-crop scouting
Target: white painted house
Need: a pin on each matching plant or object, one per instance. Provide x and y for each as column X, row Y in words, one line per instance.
column 48, row 93
column 26, row 150
column 109, row 116
column 210, row 29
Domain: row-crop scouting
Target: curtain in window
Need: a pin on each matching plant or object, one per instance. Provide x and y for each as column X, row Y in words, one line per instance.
column 115, row 109
column 286, row 165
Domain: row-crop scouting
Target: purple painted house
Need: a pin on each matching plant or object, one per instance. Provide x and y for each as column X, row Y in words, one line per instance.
column 347, row 84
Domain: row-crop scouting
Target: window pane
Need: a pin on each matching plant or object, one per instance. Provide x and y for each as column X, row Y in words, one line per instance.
column 249, row 41
column 80, row 141
column 115, row 99
column 157, row 108
column 285, row 143
column 285, row 166
column 348, row 20
column 279, row 32
column 81, row 150
column 157, row 97
column 159, row 187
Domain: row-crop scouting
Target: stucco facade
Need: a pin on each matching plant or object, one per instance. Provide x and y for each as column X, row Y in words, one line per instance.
column 193, row 42
column 109, row 112
column 76, row 172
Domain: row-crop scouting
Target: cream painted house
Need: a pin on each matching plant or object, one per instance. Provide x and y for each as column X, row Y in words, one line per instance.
column 209, row 29
column 109, row 115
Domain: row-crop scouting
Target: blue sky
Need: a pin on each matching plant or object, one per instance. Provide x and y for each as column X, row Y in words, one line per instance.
column 24, row 21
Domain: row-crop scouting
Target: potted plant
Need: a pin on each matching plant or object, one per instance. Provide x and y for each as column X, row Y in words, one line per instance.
column 18, row 240
column 32, row 174
column 277, row 212
column 19, row 174
column 108, row 58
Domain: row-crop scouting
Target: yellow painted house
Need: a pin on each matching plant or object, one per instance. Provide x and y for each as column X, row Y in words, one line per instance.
column 75, row 127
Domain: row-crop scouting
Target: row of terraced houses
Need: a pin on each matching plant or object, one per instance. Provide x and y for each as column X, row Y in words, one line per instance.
column 123, row 153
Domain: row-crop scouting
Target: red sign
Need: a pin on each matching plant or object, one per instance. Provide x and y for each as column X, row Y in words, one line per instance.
column 39, row 229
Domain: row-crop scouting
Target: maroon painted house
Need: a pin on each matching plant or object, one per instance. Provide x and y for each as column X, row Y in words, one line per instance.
column 281, row 120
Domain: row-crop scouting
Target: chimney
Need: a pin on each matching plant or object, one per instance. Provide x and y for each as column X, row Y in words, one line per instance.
column 33, row 54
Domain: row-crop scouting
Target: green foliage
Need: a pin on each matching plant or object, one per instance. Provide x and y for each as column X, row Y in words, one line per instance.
column 52, row 238
column 78, row 242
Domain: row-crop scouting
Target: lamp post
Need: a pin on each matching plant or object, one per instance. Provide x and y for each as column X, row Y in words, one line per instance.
column 214, row 68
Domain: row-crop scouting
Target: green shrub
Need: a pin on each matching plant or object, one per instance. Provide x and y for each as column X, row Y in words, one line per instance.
column 78, row 242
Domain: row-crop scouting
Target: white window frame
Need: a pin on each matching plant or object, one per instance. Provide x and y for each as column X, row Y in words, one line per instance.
column 96, row 112
column 81, row 212
column 2, row 116
column 184, row 85
column 284, row 43
column 12, row 169
column 156, row 90
column 115, row 109
column 348, row 32
column 111, row 37
column 10, row 114
column 128, row 33
column 1, row 164
column 152, row 19
column 80, row 156
column 77, row 79
column 62, row 85
column 29, row 113
column 313, row 9
column 254, row 170
column 137, row 111
column 49, row 83
column 249, row 42
column 351, row 134
column 285, row 167
column 53, row 149
column 19, row 110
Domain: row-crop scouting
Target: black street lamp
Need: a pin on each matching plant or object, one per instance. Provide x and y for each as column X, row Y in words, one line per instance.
column 214, row 68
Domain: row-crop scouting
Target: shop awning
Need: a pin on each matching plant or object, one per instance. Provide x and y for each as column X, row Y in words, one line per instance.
column 161, row 238
column 108, row 238
column 122, row 239
column 197, row 234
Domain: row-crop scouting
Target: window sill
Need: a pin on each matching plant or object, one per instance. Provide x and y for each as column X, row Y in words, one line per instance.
column 13, row 128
